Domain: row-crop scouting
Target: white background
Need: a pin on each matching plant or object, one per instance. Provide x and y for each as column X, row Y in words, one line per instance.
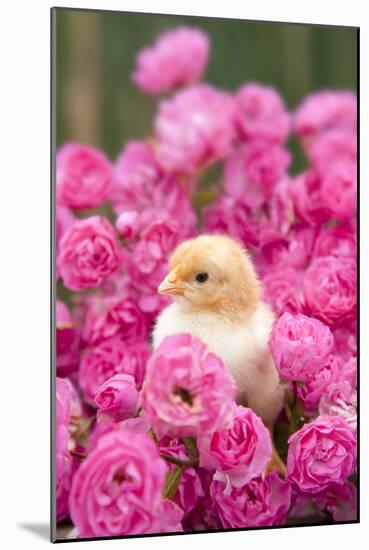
column 24, row 233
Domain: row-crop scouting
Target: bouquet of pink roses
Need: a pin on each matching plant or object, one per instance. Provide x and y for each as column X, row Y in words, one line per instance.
column 151, row 442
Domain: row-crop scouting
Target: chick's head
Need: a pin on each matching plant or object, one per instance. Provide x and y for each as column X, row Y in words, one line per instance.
column 212, row 272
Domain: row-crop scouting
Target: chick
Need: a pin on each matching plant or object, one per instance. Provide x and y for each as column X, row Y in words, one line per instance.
column 217, row 297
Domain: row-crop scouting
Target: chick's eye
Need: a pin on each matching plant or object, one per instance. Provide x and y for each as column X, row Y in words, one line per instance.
column 202, row 277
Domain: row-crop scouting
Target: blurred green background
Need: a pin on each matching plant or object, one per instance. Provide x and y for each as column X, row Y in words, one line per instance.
column 97, row 103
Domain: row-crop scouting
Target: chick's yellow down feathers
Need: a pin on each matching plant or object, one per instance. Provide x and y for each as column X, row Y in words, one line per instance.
column 217, row 298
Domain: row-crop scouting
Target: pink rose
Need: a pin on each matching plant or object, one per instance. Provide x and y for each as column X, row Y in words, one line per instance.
column 117, row 397
column 300, row 346
column 146, row 260
column 252, row 172
column 194, row 128
column 254, row 227
column 88, row 253
column 239, row 453
column 204, row 517
column 177, row 58
column 63, row 220
column 232, row 217
column 67, row 341
column 340, row 501
column 339, row 241
column 293, row 251
column 307, row 199
column 261, row 113
column 110, row 357
column 349, row 371
column 317, row 383
column 169, row 518
column 329, row 287
column 113, row 316
column 320, row 453
column 345, row 339
column 187, row 391
column 68, row 413
column 128, row 224
column 84, row 176
column 339, row 191
column 117, row 489
column 282, row 290
column 323, row 111
column 107, row 425
column 260, row 503
column 332, row 147
column 141, row 185
column 340, row 399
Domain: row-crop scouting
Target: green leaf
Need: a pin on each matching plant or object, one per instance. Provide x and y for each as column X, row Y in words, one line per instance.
column 172, row 482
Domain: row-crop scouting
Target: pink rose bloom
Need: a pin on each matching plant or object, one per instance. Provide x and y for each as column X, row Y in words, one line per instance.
column 146, row 261
column 117, row 397
column 84, row 176
column 128, row 224
column 111, row 357
column 261, row 113
column 168, row 518
column 100, row 429
column 339, row 241
column 194, row 128
column 63, row 220
column 117, row 490
column 317, row 383
column 88, row 253
column 282, row 290
column 320, row 453
column 140, row 184
column 329, row 287
column 232, row 217
column 177, row 58
column 107, row 425
column 323, row 111
column 332, row 147
column 114, row 316
column 204, row 517
column 67, row 341
column 254, row 227
column 340, row 399
column 239, row 453
column 345, row 339
column 339, row 191
column 187, row 390
column 190, row 487
column 293, row 251
column 68, row 412
column 252, row 172
column 307, row 199
column 340, row 501
column 300, row 346
column 260, row 503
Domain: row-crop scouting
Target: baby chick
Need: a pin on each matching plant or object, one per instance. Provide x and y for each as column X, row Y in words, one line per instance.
column 217, row 297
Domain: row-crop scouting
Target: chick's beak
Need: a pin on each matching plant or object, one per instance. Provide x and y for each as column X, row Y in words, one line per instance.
column 170, row 285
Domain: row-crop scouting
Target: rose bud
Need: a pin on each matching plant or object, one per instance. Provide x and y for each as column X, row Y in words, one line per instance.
column 117, row 397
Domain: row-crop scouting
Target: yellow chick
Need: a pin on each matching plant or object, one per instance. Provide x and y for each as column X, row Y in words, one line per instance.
column 217, row 298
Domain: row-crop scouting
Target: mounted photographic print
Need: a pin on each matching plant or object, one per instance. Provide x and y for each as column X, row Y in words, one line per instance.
column 204, row 274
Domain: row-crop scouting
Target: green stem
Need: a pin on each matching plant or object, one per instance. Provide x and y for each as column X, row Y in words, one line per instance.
column 178, row 462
